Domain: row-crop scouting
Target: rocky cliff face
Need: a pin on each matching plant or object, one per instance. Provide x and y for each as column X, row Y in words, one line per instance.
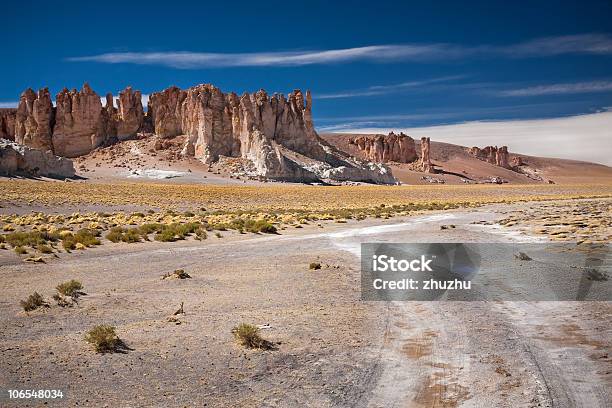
column 16, row 159
column 275, row 133
column 492, row 154
column 7, row 123
column 391, row 148
column 34, row 119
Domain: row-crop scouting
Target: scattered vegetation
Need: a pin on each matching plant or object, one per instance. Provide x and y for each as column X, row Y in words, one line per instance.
column 33, row 302
column 104, row 338
column 248, row 336
column 20, row 250
column 261, row 209
column 314, row 265
column 85, row 237
column 120, row 234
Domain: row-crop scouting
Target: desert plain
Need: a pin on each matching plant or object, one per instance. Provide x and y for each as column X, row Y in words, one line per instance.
column 325, row 346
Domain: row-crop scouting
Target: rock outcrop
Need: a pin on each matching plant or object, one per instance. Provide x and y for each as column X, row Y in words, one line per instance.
column 130, row 116
column 426, row 165
column 492, row 154
column 501, row 157
column 275, row 133
column 34, row 119
column 382, row 149
column 78, row 128
column 16, row 159
column 164, row 110
column 7, row 123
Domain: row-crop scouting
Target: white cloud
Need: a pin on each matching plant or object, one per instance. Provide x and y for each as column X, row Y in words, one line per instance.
column 386, row 89
column 559, row 89
column 550, row 46
column 9, row 104
column 566, row 44
column 583, row 137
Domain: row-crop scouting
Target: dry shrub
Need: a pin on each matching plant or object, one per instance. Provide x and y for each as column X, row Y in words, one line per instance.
column 70, row 288
column 34, row 301
column 104, row 338
column 248, row 336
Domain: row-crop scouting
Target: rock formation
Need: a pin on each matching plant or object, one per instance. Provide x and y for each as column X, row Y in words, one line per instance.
column 382, row 149
column 78, row 128
column 7, row 123
column 34, row 119
column 501, row 157
column 275, row 133
column 426, row 165
column 130, row 115
column 492, row 154
column 164, row 109
column 16, row 159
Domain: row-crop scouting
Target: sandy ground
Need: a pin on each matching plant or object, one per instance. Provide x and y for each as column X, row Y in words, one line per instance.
column 333, row 350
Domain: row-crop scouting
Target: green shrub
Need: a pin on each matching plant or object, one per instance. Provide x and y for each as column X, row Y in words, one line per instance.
column 115, row 234
column 87, row 237
column 34, row 301
column 20, row 250
column 177, row 231
column 31, row 239
column 131, row 236
column 70, row 288
column 146, row 229
column 104, row 338
column 69, row 242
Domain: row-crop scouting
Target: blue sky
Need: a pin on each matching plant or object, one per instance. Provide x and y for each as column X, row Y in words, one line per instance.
column 369, row 64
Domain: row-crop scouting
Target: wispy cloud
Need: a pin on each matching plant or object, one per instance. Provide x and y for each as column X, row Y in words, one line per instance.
column 572, row 44
column 386, row 89
column 560, row 89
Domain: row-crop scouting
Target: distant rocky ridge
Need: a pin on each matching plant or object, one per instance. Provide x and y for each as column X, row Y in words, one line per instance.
column 16, row 159
column 390, row 148
column 275, row 133
column 494, row 155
